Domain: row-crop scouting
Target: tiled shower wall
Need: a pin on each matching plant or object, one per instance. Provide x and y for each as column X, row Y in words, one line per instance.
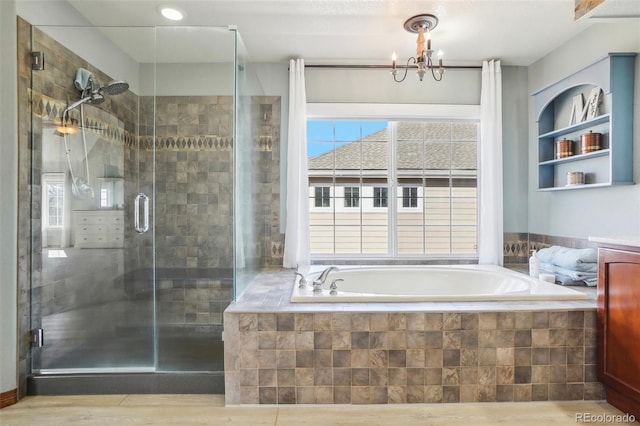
column 194, row 178
column 193, row 175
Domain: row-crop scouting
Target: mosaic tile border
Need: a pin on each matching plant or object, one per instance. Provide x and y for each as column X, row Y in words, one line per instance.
column 517, row 246
column 50, row 111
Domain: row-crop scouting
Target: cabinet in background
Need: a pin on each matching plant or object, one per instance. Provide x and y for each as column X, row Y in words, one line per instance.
column 98, row 228
column 613, row 163
column 619, row 326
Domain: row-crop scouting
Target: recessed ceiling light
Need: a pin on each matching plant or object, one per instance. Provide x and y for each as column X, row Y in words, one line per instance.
column 172, row 13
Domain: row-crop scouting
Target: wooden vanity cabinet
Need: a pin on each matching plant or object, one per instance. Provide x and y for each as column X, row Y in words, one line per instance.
column 618, row 316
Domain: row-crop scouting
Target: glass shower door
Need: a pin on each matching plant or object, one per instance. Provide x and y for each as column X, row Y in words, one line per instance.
column 193, row 97
column 92, row 251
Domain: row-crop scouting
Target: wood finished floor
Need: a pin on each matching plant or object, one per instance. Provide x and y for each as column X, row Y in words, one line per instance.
column 210, row 410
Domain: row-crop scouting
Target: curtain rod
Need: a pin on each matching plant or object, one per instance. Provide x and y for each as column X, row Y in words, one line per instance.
column 446, row 67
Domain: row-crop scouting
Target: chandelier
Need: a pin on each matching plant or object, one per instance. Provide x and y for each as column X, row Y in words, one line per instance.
column 422, row 25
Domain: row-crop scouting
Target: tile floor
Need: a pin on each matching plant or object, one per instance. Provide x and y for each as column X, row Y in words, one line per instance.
column 210, row 410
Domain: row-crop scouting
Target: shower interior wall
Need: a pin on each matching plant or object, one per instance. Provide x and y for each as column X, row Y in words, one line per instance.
column 188, row 162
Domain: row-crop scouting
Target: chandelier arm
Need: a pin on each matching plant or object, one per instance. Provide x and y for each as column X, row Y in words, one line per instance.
column 406, row 68
column 440, row 72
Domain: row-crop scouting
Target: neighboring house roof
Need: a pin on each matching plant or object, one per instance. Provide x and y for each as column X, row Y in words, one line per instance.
column 435, row 153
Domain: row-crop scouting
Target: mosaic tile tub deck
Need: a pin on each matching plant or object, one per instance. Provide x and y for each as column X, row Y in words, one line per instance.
column 277, row 352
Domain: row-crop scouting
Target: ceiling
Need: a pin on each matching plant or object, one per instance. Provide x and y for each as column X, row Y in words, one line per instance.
column 518, row 32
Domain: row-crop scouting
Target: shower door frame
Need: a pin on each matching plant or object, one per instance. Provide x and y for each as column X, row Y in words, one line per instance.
column 118, row 379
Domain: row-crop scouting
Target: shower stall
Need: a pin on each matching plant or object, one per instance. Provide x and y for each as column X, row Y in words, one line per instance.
column 143, row 221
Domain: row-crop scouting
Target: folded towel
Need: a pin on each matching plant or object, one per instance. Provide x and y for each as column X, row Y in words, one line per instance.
column 566, row 280
column 575, row 275
column 83, row 78
column 583, row 260
column 569, row 277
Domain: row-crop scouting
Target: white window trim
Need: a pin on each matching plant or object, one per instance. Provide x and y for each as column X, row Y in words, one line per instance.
column 392, row 112
column 397, row 112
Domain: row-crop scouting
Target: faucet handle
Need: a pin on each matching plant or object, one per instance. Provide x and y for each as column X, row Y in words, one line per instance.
column 302, row 283
column 334, row 286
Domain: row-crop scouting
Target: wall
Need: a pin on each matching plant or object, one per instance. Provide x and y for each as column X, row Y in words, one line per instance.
column 8, row 195
column 377, row 86
column 515, row 147
column 86, row 42
column 597, row 212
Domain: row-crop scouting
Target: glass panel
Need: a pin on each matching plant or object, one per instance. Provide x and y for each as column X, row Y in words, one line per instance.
column 410, row 239
column 111, row 299
column 321, row 237
column 375, row 239
column 437, row 211
column 437, row 239
column 348, row 239
column 349, row 158
column 256, row 158
column 463, row 239
column 194, row 175
column 92, row 287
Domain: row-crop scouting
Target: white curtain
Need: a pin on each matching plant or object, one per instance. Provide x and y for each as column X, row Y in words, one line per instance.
column 490, row 232
column 296, row 246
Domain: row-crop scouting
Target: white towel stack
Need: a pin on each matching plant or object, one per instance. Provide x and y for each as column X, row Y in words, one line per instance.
column 571, row 266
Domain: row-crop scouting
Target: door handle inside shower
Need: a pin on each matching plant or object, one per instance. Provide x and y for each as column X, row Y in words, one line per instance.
column 136, row 213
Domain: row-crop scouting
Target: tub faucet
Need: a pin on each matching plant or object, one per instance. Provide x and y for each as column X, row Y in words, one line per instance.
column 334, row 286
column 303, row 282
column 317, row 283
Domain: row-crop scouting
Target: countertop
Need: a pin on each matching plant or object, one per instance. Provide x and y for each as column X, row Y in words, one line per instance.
column 271, row 292
column 633, row 241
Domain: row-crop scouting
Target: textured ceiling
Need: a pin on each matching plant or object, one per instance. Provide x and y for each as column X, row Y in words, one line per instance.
column 365, row 31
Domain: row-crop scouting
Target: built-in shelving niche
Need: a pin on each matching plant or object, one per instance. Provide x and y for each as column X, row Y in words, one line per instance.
column 612, row 164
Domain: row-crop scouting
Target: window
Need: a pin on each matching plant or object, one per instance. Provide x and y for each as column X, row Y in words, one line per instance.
column 409, row 197
column 351, row 196
column 380, row 197
column 322, row 197
column 53, row 184
column 409, row 187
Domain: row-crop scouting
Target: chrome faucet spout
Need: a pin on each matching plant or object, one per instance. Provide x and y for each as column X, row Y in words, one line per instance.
column 323, row 276
column 318, row 282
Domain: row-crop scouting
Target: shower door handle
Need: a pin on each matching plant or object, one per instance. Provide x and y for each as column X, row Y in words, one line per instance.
column 136, row 213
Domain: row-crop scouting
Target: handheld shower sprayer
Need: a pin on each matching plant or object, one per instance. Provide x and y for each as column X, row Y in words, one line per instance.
column 92, row 92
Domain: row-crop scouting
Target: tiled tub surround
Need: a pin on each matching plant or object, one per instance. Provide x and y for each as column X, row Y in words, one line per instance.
column 378, row 353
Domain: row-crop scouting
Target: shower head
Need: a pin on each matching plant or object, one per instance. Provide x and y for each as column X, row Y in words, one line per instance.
column 114, row 87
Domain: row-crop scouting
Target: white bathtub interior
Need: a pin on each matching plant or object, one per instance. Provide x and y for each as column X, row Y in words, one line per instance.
column 448, row 283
